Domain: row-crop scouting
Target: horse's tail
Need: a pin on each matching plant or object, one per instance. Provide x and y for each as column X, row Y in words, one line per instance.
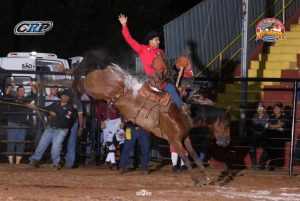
column 93, row 59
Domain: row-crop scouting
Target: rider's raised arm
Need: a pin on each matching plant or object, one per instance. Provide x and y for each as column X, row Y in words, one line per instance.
column 137, row 47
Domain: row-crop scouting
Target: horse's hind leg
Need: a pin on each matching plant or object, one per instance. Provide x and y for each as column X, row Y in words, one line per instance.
column 193, row 154
column 177, row 145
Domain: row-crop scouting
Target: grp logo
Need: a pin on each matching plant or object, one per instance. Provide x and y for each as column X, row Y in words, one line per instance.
column 33, row 27
column 270, row 30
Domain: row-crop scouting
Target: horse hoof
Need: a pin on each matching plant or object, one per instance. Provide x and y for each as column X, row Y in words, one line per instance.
column 210, row 181
column 199, row 184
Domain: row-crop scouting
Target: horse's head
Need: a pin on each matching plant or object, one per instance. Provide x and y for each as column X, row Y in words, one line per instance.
column 221, row 128
column 107, row 83
column 99, row 78
column 217, row 119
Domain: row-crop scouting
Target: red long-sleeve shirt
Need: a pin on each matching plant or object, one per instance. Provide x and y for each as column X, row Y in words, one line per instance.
column 146, row 53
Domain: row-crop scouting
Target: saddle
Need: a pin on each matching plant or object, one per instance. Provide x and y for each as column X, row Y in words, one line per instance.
column 155, row 95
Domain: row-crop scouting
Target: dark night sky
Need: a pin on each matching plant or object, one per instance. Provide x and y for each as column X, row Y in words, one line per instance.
column 81, row 25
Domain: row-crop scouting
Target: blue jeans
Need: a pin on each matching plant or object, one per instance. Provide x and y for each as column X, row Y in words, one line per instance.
column 71, row 152
column 142, row 137
column 130, row 160
column 17, row 134
column 54, row 136
column 171, row 90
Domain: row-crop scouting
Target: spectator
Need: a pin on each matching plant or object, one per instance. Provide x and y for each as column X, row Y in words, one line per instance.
column 276, row 136
column 61, row 112
column 184, row 81
column 75, row 131
column 257, row 137
column 52, row 97
column 135, row 133
column 18, row 117
column 112, row 130
column 9, row 91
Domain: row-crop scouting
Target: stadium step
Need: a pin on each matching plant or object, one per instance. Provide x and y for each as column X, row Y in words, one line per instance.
column 278, row 57
column 284, row 49
column 273, row 64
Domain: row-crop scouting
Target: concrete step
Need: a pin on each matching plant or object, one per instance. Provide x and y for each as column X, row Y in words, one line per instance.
column 278, row 57
column 284, row 50
column 276, row 65
column 282, row 96
column 264, row 73
column 291, row 73
column 295, row 27
column 236, row 97
column 288, row 42
column 292, row 34
column 236, row 88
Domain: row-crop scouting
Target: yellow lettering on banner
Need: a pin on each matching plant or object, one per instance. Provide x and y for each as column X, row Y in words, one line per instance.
column 278, row 35
column 128, row 134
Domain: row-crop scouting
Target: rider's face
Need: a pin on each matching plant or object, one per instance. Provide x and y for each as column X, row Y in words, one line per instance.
column 154, row 42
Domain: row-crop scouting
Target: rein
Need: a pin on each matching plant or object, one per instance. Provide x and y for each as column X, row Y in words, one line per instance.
column 23, row 105
column 38, row 110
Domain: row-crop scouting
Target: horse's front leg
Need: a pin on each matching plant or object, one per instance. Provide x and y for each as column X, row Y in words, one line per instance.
column 177, row 145
column 193, row 154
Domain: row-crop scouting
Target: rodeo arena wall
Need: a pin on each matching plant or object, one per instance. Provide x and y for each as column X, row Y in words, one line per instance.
column 211, row 25
column 211, row 33
column 207, row 29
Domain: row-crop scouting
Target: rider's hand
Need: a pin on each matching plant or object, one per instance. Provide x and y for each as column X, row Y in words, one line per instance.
column 123, row 19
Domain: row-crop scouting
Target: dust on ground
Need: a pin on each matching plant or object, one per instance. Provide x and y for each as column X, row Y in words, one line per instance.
column 21, row 182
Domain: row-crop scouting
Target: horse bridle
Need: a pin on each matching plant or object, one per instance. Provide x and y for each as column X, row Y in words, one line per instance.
column 120, row 94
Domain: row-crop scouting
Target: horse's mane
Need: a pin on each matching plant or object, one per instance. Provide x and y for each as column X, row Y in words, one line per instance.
column 93, row 59
column 209, row 114
column 100, row 59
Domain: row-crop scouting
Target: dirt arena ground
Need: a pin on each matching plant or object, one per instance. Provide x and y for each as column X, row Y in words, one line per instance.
column 94, row 183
